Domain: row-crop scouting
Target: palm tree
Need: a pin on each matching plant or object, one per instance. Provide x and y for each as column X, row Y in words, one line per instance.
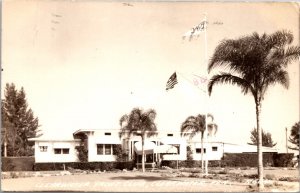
column 141, row 123
column 294, row 136
column 197, row 124
column 254, row 63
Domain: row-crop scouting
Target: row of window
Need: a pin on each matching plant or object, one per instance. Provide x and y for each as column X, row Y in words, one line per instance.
column 107, row 149
column 56, row 150
column 198, row 150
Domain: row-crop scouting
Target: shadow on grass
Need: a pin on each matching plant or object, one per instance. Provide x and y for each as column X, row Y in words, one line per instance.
column 140, row 177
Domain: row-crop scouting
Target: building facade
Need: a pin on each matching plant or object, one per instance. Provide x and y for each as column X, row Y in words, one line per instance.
column 102, row 146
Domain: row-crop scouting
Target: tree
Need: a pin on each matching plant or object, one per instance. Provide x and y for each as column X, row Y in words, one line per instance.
column 18, row 123
column 266, row 138
column 254, row 63
column 140, row 123
column 197, row 124
column 294, row 136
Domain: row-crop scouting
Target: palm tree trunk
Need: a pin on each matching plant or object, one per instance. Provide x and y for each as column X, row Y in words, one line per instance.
column 143, row 155
column 202, row 164
column 259, row 147
column 206, row 160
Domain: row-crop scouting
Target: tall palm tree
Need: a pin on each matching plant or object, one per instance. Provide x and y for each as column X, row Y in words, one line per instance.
column 294, row 136
column 254, row 63
column 140, row 123
column 197, row 124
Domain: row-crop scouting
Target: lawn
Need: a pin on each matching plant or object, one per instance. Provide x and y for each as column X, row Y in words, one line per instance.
column 136, row 181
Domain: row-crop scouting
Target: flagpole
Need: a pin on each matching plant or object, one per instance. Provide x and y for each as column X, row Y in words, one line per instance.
column 206, row 97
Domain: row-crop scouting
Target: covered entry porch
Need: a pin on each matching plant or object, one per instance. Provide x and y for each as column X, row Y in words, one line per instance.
column 154, row 151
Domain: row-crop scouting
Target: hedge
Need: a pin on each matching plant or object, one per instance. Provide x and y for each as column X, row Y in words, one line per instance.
column 250, row 159
column 17, row 163
column 283, row 160
column 191, row 163
column 101, row 166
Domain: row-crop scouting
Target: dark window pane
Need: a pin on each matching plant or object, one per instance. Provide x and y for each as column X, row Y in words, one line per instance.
column 215, row 148
column 198, row 150
column 107, row 133
column 43, row 148
column 107, row 149
column 65, row 151
column 100, row 149
column 57, row 151
column 170, row 134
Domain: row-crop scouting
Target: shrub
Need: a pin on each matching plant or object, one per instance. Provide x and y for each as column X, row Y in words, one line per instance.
column 168, row 163
column 289, row 179
column 17, row 163
column 283, row 159
column 270, row 177
column 82, row 153
column 246, row 159
column 98, row 166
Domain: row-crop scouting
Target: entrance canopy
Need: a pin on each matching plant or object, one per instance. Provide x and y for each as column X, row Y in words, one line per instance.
column 150, row 148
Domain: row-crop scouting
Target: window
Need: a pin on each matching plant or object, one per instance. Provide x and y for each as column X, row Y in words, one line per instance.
column 107, row 149
column 198, row 150
column 100, row 149
column 170, row 134
column 104, row 149
column 57, row 151
column 43, row 148
column 107, row 133
column 65, row 151
column 61, row 150
column 214, row 148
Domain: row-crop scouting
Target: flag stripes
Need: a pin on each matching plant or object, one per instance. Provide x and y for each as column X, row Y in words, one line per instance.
column 172, row 81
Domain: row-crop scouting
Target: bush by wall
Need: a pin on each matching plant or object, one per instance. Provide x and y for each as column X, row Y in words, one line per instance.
column 246, row 159
column 283, row 160
column 191, row 163
column 250, row 159
column 17, row 163
column 101, row 166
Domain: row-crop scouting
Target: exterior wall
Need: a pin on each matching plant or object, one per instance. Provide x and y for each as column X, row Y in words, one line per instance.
column 209, row 153
column 50, row 156
column 171, row 138
column 99, row 137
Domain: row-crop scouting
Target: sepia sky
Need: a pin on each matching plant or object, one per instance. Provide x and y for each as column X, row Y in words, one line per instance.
column 83, row 64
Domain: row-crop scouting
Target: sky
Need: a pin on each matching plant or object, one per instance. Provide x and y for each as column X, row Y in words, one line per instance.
column 84, row 64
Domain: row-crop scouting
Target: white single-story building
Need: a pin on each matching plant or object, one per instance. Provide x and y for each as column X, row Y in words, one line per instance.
column 55, row 150
column 165, row 145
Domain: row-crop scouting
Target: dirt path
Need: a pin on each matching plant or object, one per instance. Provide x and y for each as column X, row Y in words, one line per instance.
column 119, row 182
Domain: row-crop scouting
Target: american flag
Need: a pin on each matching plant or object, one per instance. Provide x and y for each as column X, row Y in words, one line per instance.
column 172, row 81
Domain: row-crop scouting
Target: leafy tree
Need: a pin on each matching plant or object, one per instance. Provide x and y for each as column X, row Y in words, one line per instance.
column 294, row 136
column 18, row 123
column 254, row 63
column 197, row 124
column 140, row 123
column 266, row 138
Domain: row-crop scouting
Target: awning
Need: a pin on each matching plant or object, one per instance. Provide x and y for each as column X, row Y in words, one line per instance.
column 148, row 147
column 43, row 143
column 108, row 140
column 61, row 145
column 165, row 149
